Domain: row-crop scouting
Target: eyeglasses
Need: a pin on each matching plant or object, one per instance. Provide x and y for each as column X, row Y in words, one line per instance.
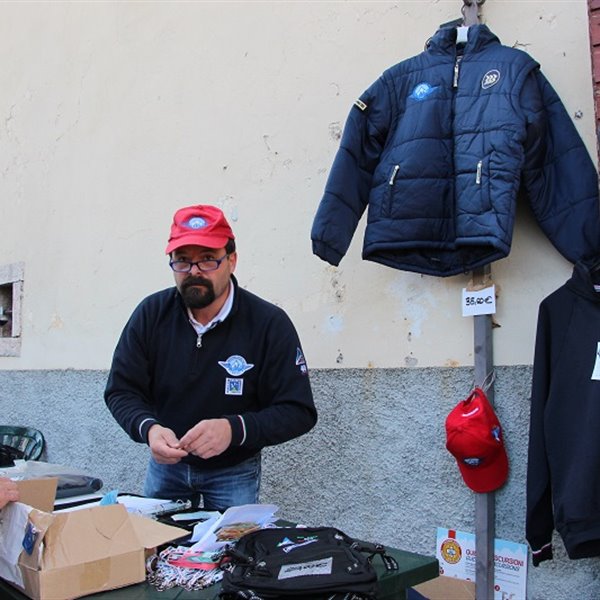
column 208, row 264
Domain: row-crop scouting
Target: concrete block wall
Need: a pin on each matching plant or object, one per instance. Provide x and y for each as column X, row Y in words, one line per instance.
column 375, row 466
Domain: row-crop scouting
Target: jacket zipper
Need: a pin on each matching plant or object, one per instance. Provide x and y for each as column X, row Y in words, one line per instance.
column 478, row 176
column 199, row 335
column 456, row 71
column 393, row 176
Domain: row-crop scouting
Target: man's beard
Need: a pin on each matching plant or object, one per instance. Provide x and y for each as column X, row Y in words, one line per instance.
column 197, row 292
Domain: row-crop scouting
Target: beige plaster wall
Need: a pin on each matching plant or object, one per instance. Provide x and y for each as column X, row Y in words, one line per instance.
column 114, row 114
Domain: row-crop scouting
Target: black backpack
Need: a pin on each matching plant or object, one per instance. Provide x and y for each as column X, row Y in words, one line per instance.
column 301, row 562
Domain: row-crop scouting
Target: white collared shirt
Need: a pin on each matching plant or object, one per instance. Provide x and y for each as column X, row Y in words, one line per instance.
column 220, row 316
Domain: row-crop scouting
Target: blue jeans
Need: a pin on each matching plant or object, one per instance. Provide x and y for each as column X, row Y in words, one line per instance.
column 218, row 488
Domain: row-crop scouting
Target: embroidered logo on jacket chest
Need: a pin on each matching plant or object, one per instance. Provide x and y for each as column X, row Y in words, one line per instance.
column 236, row 366
column 490, row 78
column 422, row 90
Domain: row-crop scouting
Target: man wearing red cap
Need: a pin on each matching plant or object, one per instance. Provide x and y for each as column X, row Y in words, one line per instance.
column 207, row 374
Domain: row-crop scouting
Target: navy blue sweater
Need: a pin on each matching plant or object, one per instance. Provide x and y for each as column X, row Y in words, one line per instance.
column 563, row 470
column 250, row 369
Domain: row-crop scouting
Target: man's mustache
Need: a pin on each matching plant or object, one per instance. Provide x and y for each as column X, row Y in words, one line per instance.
column 191, row 281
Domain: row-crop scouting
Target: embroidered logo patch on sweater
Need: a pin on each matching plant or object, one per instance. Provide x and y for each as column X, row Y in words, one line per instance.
column 234, row 387
column 236, row 365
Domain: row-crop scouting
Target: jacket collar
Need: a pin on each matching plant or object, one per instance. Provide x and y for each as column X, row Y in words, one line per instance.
column 444, row 40
column 582, row 279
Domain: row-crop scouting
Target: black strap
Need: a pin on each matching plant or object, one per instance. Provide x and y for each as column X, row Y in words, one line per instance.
column 391, row 564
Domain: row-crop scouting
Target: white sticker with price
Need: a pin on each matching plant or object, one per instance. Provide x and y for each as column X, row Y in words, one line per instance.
column 479, row 302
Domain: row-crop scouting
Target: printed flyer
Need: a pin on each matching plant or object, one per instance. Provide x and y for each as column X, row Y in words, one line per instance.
column 455, row 551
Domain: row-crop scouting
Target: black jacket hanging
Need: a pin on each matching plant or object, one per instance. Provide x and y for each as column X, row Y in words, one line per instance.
column 563, row 471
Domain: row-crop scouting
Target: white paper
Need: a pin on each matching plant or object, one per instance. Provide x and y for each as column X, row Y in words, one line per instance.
column 196, row 516
column 13, row 525
column 139, row 505
column 244, row 515
column 479, row 302
column 201, row 529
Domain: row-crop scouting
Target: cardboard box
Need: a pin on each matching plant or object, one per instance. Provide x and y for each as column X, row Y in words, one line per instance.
column 84, row 551
column 39, row 493
column 443, row 588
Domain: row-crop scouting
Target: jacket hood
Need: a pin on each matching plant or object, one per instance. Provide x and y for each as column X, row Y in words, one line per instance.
column 586, row 275
column 444, row 40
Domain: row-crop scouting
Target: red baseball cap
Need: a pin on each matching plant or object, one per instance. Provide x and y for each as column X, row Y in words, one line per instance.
column 474, row 438
column 201, row 225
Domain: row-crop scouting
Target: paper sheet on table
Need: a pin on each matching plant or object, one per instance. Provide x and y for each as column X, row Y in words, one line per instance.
column 13, row 525
column 233, row 523
column 201, row 529
column 147, row 507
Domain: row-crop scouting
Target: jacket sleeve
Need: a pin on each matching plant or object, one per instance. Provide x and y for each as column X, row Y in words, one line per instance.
column 127, row 390
column 287, row 409
column 539, row 517
column 559, row 176
column 347, row 189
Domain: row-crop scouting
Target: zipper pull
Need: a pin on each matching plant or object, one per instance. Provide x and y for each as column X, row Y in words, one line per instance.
column 478, row 176
column 199, row 341
column 394, row 173
column 456, row 64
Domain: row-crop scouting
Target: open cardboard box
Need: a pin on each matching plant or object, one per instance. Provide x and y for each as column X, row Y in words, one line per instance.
column 80, row 552
column 443, row 588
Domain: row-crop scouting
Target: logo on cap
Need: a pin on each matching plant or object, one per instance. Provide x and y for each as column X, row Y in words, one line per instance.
column 196, row 223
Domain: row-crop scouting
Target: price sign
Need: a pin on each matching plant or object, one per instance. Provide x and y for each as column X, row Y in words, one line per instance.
column 479, row 302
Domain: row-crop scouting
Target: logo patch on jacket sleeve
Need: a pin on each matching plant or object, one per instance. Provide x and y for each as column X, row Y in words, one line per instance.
column 301, row 361
column 422, row 90
column 360, row 104
column 490, row 78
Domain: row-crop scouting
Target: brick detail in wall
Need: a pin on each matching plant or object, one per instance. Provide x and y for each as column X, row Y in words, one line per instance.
column 594, row 17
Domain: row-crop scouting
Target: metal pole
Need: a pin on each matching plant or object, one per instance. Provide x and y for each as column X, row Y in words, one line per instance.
column 484, row 503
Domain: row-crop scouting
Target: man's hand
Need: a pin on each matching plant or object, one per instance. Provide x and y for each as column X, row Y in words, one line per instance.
column 166, row 448
column 8, row 492
column 207, row 438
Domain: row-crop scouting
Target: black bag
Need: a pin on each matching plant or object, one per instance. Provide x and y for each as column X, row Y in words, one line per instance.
column 8, row 455
column 294, row 562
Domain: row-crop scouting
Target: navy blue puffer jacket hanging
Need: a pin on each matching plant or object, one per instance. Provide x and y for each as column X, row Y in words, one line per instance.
column 438, row 149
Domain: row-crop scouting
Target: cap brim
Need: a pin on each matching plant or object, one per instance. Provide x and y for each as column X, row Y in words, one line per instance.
column 197, row 240
column 486, row 478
